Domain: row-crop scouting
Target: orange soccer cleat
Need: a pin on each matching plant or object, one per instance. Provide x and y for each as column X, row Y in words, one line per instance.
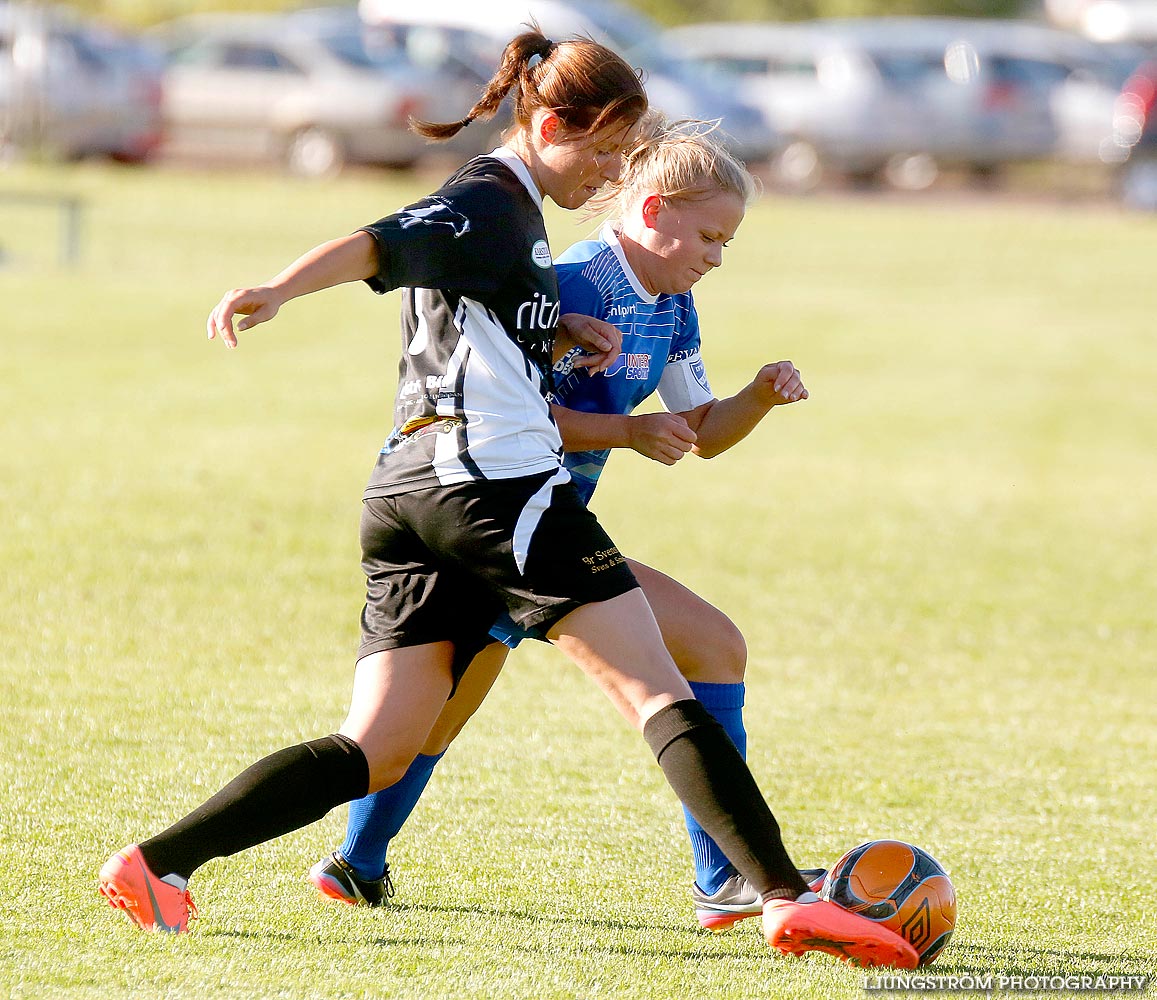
column 151, row 904
column 794, row 928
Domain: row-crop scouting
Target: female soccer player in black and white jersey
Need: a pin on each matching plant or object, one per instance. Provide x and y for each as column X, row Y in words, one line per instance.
column 468, row 512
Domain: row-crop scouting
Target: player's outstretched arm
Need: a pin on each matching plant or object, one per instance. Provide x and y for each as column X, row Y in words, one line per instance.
column 350, row 258
column 723, row 423
column 662, row 437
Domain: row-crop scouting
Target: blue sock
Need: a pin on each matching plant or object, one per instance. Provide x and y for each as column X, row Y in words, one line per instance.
column 725, row 704
column 375, row 820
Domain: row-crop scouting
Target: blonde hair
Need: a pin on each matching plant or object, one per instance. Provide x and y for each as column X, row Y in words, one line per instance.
column 586, row 84
column 678, row 160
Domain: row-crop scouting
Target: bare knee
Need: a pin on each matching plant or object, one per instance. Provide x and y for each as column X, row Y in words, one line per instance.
column 718, row 657
column 733, row 655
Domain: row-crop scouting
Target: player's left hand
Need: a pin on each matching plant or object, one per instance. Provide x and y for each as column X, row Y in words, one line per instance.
column 602, row 342
column 254, row 305
column 781, row 383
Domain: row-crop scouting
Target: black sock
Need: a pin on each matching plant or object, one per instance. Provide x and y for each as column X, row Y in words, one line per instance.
column 706, row 771
column 283, row 792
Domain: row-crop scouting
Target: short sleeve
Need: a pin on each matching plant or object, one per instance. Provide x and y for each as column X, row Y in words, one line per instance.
column 684, row 385
column 460, row 239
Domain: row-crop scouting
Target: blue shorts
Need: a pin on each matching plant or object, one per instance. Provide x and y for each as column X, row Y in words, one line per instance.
column 509, row 633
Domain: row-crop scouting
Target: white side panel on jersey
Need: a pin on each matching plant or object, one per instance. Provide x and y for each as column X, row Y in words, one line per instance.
column 421, row 338
column 510, row 432
column 679, row 388
column 447, row 461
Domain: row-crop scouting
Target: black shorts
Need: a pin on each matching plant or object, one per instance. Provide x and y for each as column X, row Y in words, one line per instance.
column 444, row 563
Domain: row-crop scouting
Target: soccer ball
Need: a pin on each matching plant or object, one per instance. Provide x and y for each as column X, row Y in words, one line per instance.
column 900, row 886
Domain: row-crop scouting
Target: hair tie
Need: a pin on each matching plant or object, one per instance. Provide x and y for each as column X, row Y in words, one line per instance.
column 541, row 54
column 467, row 120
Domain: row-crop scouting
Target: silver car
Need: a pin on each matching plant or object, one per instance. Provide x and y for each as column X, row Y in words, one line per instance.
column 480, row 30
column 310, row 92
column 899, row 97
column 71, row 88
column 843, row 105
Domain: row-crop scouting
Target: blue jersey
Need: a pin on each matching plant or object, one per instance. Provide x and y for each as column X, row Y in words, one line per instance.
column 660, row 352
column 660, row 345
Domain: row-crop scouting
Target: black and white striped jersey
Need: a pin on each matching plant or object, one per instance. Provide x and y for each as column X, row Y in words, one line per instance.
column 479, row 311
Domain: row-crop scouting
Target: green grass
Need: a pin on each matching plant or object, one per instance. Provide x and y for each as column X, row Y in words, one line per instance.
column 942, row 562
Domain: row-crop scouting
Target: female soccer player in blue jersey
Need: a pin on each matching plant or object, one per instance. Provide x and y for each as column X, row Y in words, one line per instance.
column 678, row 202
column 469, row 513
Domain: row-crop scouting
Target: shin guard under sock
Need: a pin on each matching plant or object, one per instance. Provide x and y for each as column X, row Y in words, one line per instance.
column 706, row 771
column 283, row 792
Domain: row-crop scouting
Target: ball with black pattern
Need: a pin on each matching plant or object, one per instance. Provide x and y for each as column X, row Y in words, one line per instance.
column 900, row 886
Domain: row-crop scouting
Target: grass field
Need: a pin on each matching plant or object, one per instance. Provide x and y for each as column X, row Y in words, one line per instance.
column 943, row 563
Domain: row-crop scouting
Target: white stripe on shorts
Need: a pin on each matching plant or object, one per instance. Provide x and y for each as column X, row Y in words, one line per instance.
column 531, row 515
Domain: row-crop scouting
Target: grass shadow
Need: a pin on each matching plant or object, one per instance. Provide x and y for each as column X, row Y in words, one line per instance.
column 382, row 942
column 694, row 952
column 532, row 917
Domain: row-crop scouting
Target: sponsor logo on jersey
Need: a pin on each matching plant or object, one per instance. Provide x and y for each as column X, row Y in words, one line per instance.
column 638, row 366
column 565, row 365
column 620, row 310
column 540, row 313
column 431, row 386
column 540, row 254
column 633, row 366
column 431, row 425
column 419, row 427
column 601, row 560
column 616, row 366
column 434, row 212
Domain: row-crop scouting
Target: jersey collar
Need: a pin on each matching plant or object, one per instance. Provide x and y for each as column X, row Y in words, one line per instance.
column 611, row 238
column 521, row 171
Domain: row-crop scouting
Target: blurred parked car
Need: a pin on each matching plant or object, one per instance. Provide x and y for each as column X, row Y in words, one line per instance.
column 849, row 105
column 1106, row 20
column 478, row 31
column 71, row 88
column 897, row 98
column 1074, row 78
column 1135, row 121
column 453, row 72
column 310, row 92
column 1084, row 104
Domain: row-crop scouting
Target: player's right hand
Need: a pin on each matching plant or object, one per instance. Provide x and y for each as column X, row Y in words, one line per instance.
column 601, row 342
column 256, row 305
column 663, row 437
